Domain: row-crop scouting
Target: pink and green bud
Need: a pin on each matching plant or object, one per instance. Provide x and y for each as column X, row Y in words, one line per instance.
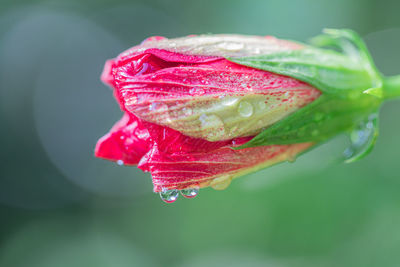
column 201, row 110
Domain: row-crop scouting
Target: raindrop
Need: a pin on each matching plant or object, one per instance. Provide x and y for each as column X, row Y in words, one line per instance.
column 213, row 126
column 245, row 109
column 229, row 100
column 318, row 116
column 262, row 105
column 221, row 183
column 232, row 47
column 196, row 91
column 291, row 158
column 120, row 162
column 187, row 111
column 154, row 106
column 190, row 192
column 169, row 196
column 362, row 138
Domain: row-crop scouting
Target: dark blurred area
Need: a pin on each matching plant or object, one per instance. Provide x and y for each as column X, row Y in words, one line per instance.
column 60, row 206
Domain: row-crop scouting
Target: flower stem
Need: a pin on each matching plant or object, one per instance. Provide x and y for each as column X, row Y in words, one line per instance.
column 391, row 87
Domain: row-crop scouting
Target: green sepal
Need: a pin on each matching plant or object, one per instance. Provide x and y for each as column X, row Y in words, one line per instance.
column 351, row 45
column 350, row 84
column 329, row 71
column 317, row 122
column 350, row 71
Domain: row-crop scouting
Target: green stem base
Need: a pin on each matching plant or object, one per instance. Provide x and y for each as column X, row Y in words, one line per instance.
column 391, row 87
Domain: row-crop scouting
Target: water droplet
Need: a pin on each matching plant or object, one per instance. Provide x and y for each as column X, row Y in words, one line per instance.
column 233, row 132
column 196, row 91
column 291, row 158
column 318, row 116
column 187, row 111
column 169, row 196
column 159, row 107
column 120, row 162
column 190, row 192
column 231, row 46
column 262, row 105
column 245, row 109
column 221, row 183
column 229, row 100
column 361, row 138
column 315, row 132
column 213, row 126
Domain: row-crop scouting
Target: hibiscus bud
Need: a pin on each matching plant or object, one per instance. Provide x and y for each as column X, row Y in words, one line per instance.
column 201, row 110
column 186, row 84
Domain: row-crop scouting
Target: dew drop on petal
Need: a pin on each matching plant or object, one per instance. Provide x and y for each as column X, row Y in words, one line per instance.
column 245, row 109
column 187, row 111
column 262, row 105
column 291, row 158
column 120, row 162
column 231, row 46
column 190, row 192
column 229, row 101
column 158, row 107
column 213, row 126
column 221, row 183
column 169, row 196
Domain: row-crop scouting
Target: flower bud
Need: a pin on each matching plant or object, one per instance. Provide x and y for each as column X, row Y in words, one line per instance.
column 197, row 92
column 201, row 110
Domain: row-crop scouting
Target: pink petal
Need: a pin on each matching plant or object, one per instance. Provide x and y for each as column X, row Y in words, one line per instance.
column 188, row 169
column 127, row 141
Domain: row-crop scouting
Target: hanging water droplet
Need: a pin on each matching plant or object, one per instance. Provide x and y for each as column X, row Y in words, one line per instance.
column 229, row 100
column 169, row 196
column 120, row 162
column 291, row 158
column 221, row 183
column 190, row 192
column 361, row 138
column 245, row 109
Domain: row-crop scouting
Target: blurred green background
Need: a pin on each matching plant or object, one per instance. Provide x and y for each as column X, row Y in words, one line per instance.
column 60, row 206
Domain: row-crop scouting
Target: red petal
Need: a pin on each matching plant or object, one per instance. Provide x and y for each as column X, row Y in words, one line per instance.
column 175, row 95
column 127, row 141
column 183, row 170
